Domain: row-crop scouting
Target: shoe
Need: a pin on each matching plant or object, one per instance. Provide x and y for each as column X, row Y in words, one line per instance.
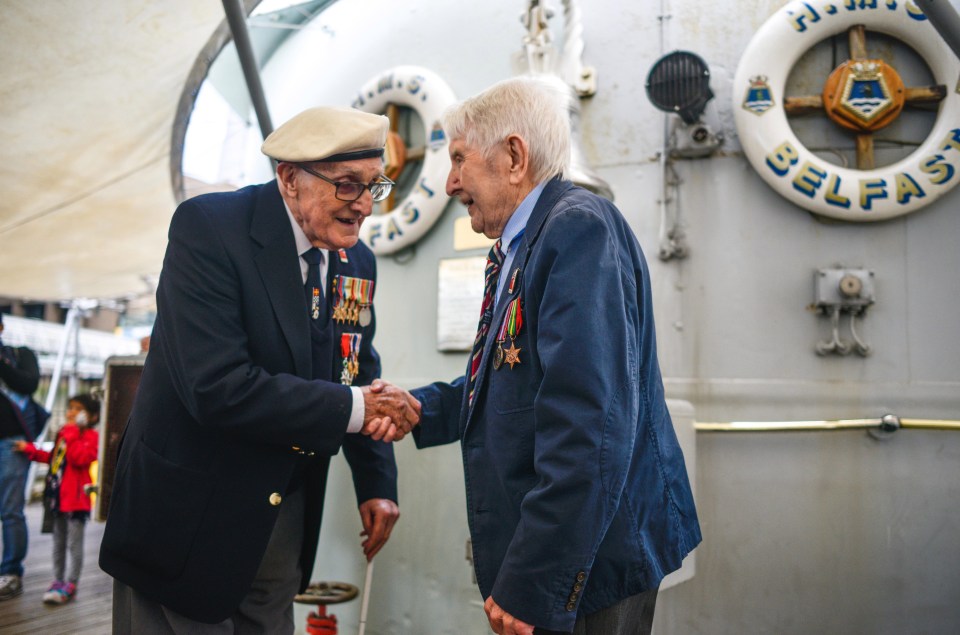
column 10, row 586
column 52, row 596
column 62, row 595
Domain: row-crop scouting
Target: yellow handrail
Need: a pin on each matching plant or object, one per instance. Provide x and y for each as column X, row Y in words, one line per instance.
column 887, row 423
column 930, row 424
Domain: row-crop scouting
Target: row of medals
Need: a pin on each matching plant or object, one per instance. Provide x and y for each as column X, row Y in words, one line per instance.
column 352, row 312
column 506, row 356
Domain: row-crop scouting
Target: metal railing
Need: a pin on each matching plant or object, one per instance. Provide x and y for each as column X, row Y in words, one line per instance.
column 886, row 424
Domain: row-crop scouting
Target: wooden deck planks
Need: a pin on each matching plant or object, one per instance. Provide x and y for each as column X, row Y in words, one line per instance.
column 88, row 614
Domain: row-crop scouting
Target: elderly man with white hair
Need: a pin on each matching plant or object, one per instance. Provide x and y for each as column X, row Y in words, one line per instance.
column 578, row 499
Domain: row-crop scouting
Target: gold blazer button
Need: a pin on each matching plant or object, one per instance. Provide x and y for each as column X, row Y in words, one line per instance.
column 275, row 499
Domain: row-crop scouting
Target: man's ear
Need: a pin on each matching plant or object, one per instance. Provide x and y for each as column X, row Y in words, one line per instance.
column 287, row 178
column 519, row 154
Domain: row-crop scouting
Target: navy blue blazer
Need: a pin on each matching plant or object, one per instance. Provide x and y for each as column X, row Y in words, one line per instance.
column 226, row 411
column 577, row 492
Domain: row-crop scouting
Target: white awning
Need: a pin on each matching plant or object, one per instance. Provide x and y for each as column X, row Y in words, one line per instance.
column 88, row 96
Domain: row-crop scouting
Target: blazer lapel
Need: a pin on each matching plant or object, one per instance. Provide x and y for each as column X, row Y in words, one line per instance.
column 488, row 345
column 278, row 266
column 547, row 201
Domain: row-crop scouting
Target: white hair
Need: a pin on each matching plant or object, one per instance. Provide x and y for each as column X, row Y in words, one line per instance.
column 534, row 107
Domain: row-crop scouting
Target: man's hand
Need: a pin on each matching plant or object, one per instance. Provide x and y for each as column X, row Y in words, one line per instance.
column 378, row 516
column 389, row 412
column 383, row 430
column 502, row 622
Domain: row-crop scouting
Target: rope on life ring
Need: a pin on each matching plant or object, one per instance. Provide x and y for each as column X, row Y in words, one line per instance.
column 429, row 96
column 862, row 95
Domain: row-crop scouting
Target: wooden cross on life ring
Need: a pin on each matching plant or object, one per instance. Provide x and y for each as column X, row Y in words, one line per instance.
column 397, row 154
column 863, row 95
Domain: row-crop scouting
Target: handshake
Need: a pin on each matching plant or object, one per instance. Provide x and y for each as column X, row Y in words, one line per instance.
column 389, row 412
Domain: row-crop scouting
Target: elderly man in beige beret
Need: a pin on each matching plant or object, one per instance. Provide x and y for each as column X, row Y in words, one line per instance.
column 260, row 369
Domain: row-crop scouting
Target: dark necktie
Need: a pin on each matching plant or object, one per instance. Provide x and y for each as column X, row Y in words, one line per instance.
column 490, row 276
column 313, row 289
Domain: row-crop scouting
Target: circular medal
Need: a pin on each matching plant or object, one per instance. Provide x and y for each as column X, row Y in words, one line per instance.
column 498, row 358
column 366, row 315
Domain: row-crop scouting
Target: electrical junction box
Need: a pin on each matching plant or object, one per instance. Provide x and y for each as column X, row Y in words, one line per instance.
column 851, row 290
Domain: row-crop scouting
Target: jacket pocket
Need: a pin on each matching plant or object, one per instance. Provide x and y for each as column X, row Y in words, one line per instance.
column 513, row 386
column 156, row 510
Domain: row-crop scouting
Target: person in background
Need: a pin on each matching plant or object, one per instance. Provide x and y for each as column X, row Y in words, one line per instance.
column 578, row 497
column 260, row 369
column 21, row 419
column 65, row 497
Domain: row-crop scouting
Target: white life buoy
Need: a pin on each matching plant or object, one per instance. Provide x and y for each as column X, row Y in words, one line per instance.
column 427, row 94
column 796, row 173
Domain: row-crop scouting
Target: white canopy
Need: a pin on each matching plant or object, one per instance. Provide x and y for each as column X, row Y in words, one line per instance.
column 88, row 97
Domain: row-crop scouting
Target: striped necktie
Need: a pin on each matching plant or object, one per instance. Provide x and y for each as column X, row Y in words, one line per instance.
column 490, row 276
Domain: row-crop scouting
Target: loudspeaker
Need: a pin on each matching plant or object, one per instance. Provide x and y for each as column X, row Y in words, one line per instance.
column 121, row 379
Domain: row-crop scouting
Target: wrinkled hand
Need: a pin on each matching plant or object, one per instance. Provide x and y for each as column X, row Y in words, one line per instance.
column 502, row 622
column 378, row 516
column 389, row 412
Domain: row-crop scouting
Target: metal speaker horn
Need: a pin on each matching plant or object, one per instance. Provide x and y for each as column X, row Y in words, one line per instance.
column 680, row 82
column 580, row 171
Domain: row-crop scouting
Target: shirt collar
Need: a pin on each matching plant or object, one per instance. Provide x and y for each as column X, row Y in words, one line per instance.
column 303, row 243
column 518, row 220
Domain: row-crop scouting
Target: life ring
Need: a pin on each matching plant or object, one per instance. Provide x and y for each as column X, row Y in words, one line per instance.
column 796, row 173
column 427, row 94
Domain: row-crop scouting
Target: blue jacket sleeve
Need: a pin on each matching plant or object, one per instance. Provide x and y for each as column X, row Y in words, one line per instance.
column 440, row 420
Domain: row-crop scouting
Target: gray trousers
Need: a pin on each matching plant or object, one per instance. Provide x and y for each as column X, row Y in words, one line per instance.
column 267, row 607
column 631, row 616
column 67, row 547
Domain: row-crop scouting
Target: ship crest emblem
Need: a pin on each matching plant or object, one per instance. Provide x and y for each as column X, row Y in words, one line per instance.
column 759, row 98
column 865, row 93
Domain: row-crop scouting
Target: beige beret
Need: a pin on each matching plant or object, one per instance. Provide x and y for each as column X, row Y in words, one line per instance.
column 328, row 134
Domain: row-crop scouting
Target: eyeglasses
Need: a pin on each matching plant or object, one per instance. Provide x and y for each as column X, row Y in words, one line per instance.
column 350, row 191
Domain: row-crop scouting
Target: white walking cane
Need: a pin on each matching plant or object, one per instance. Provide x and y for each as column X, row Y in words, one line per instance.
column 365, row 599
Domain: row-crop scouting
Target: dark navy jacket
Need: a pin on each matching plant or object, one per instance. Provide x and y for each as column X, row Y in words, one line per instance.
column 577, row 492
column 226, row 414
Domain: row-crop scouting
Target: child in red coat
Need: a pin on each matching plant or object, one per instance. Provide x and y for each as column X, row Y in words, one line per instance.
column 66, row 497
